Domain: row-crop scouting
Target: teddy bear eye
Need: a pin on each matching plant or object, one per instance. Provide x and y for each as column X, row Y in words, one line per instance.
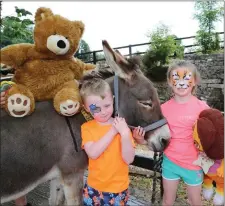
column 66, row 37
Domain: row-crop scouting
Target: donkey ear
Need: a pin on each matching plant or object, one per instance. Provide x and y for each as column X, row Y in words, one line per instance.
column 118, row 52
column 115, row 60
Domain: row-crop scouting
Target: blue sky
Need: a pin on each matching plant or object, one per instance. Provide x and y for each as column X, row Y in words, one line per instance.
column 120, row 23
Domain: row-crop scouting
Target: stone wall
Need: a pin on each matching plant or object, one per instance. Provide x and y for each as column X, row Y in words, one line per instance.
column 211, row 88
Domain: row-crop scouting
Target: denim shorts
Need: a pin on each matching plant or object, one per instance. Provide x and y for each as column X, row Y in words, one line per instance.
column 94, row 197
column 172, row 171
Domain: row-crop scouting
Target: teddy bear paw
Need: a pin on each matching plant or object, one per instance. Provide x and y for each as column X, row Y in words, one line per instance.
column 18, row 105
column 218, row 199
column 69, row 107
column 207, row 193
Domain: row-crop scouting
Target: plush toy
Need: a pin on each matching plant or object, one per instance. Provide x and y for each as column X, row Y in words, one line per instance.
column 6, row 85
column 209, row 139
column 47, row 69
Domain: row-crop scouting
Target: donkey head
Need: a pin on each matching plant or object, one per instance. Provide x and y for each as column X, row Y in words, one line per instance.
column 138, row 100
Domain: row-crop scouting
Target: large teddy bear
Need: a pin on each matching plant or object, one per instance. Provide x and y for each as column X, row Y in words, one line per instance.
column 209, row 139
column 47, row 69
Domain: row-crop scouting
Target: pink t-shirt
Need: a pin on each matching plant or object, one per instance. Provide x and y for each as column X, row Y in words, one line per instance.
column 181, row 118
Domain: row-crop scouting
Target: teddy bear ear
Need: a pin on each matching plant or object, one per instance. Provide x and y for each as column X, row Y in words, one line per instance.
column 42, row 13
column 80, row 25
column 206, row 132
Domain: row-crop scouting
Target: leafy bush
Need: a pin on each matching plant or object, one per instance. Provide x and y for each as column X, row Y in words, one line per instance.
column 162, row 49
column 16, row 29
column 209, row 42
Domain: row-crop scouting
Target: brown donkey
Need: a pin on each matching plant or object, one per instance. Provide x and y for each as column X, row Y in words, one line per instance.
column 45, row 145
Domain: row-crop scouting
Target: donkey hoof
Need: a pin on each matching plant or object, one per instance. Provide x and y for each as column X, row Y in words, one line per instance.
column 18, row 105
column 69, row 107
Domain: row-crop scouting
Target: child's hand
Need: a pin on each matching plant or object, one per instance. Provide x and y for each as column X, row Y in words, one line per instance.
column 114, row 130
column 2, row 102
column 121, row 126
column 138, row 135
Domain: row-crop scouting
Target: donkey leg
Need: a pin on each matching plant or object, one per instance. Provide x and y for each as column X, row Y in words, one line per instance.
column 73, row 185
column 56, row 193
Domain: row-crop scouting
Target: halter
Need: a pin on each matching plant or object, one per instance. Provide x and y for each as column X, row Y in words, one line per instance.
column 150, row 127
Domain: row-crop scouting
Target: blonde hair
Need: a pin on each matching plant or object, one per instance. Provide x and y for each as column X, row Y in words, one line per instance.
column 95, row 86
column 187, row 65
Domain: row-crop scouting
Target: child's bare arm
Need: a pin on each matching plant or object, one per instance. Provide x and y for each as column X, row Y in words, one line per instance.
column 95, row 149
column 126, row 144
column 128, row 151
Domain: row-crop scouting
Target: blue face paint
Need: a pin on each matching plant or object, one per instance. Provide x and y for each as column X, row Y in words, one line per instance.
column 94, row 109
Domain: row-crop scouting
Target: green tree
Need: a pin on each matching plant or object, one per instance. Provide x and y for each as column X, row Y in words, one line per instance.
column 17, row 29
column 84, row 48
column 162, row 49
column 208, row 13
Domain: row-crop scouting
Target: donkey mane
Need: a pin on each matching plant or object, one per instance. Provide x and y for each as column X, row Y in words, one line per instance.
column 107, row 72
column 103, row 73
column 134, row 61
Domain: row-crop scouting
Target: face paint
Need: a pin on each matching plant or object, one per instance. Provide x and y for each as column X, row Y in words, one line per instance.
column 100, row 109
column 182, row 78
column 103, row 97
column 94, row 109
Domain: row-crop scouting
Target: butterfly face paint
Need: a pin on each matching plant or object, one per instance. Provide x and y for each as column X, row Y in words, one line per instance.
column 181, row 78
column 94, row 109
column 100, row 109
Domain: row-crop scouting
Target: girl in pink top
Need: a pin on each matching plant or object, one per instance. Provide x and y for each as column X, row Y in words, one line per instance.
column 181, row 112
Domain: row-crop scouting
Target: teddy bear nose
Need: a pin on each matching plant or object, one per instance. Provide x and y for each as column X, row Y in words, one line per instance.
column 61, row 44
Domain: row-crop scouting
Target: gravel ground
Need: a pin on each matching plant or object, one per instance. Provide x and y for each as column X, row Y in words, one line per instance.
column 140, row 187
column 141, row 183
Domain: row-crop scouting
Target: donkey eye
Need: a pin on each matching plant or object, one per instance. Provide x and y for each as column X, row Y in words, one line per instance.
column 147, row 103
